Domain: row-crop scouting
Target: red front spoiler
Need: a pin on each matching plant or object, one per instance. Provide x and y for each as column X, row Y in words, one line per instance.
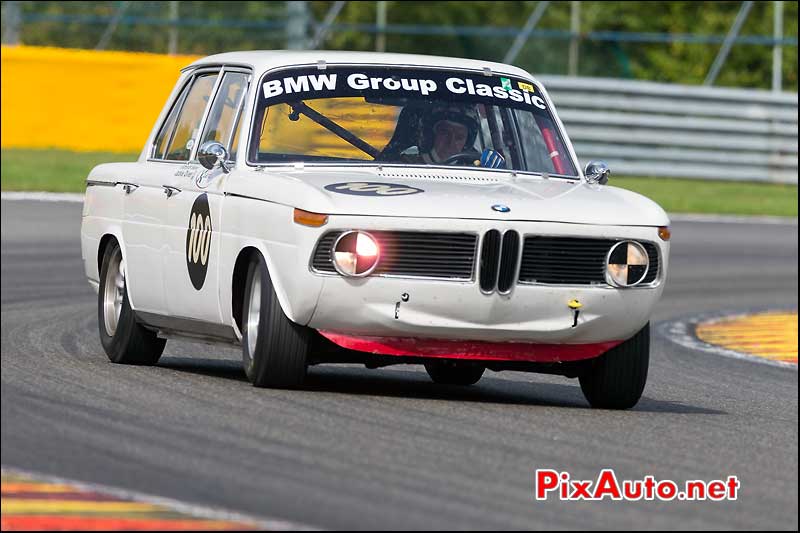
column 479, row 350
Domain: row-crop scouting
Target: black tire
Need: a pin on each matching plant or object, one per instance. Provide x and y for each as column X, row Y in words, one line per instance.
column 278, row 358
column 447, row 372
column 616, row 379
column 130, row 343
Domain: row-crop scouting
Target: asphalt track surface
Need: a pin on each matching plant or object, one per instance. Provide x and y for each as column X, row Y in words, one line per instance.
column 387, row 448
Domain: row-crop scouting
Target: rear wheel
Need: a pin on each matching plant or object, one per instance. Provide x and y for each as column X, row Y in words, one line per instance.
column 274, row 349
column 454, row 373
column 616, row 379
column 124, row 340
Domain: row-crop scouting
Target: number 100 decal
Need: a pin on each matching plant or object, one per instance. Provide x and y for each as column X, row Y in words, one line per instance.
column 198, row 241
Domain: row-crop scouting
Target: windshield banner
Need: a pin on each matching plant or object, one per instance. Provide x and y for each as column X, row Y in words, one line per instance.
column 382, row 83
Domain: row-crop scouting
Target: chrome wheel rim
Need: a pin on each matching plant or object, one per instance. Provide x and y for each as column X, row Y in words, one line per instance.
column 113, row 293
column 254, row 312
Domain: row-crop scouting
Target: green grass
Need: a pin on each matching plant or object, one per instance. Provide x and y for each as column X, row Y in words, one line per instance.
column 51, row 170
column 715, row 197
column 63, row 171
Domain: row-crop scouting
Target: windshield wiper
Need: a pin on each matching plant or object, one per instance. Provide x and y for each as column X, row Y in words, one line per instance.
column 328, row 124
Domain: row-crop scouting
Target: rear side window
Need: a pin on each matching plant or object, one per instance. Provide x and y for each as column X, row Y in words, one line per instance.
column 185, row 134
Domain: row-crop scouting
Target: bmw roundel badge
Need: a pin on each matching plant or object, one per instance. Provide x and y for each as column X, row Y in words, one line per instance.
column 500, row 208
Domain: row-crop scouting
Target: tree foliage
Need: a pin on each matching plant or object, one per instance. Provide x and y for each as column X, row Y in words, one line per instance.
column 210, row 27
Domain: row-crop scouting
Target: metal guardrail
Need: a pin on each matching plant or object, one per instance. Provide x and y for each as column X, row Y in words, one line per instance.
column 666, row 130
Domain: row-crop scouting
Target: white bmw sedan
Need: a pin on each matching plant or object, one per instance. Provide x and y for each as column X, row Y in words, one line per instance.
column 329, row 207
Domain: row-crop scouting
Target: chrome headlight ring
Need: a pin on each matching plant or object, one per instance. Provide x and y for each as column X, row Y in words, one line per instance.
column 355, row 254
column 627, row 264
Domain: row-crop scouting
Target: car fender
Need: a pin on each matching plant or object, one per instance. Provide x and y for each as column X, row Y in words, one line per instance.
column 97, row 222
column 286, row 250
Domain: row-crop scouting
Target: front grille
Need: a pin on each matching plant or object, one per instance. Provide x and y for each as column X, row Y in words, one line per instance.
column 573, row 261
column 652, row 254
column 552, row 260
column 411, row 253
column 490, row 254
column 508, row 262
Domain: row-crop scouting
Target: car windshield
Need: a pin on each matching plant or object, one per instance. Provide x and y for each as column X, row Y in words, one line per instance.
column 407, row 117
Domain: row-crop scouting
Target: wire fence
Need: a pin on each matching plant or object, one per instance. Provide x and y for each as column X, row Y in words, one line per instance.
column 565, row 38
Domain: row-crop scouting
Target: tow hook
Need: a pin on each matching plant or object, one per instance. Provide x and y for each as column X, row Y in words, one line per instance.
column 403, row 297
column 575, row 305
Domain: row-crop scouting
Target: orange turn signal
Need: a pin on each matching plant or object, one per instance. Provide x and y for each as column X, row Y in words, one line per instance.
column 664, row 233
column 306, row 218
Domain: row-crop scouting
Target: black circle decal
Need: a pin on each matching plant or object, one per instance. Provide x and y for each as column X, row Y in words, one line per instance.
column 371, row 188
column 198, row 241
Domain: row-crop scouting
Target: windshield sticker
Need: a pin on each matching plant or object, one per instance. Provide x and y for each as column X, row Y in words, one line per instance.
column 401, row 84
column 370, row 188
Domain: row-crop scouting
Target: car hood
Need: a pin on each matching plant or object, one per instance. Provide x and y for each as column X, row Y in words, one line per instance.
column 454, row 194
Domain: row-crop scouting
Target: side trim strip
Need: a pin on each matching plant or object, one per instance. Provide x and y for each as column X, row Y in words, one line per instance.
column 188, row 327
column 236, row 195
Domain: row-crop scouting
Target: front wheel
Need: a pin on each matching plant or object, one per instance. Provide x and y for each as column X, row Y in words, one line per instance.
column 124, row 340
column 274, row 349
column 616, row 379
column 454, row 373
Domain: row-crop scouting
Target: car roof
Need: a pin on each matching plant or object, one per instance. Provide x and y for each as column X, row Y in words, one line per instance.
column 263, row 60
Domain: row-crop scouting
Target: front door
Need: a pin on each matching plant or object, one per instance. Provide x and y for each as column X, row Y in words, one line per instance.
column 194, row 215
column 191, row 257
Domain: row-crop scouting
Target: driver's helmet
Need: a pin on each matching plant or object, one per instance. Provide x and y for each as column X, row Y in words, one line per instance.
column 466, row 116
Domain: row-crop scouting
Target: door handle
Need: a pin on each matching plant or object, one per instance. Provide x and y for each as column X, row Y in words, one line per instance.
column 170, row 190
column 128, row 187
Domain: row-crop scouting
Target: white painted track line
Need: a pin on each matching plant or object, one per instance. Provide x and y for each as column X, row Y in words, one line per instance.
column 43, row 196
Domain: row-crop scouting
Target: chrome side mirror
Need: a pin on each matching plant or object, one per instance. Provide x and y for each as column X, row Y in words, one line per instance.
column 597, row 172
column 212, row 154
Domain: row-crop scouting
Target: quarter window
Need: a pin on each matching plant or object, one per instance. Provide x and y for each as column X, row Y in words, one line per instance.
column 235, row 140
column 225, row 111
column 185, row 134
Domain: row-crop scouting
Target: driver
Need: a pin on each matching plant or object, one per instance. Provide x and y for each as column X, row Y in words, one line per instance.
column 445, row 133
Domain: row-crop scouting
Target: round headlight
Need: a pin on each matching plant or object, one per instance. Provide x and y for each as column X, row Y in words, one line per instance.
column 355, row 254
column 627, row 264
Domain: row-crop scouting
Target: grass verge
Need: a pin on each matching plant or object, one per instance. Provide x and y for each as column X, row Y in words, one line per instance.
column 52, row 170
column 715, row 197
column 64, row 171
